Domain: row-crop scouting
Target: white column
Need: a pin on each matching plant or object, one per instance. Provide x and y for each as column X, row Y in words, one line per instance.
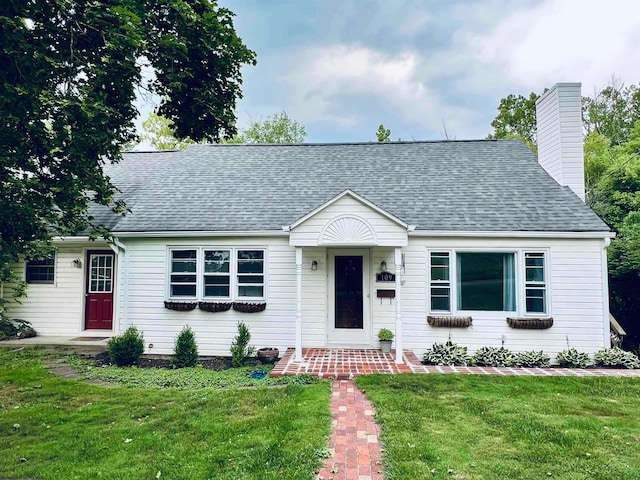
column 398, row 262
column 298, row 355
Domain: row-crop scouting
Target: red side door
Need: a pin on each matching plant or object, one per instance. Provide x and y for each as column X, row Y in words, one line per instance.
column 99, row 290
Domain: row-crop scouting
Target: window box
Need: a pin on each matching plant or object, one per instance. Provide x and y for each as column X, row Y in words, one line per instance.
column 249, row 307
column 180, row 306
column 214, row 306
column 530, row 323
column 449, row 322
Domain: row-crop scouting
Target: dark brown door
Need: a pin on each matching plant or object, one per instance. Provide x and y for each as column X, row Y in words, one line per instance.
column 99, row 290
column 348, row 292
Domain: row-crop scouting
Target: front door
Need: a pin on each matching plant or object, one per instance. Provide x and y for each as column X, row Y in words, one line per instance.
column 349, row 298
column 99, row 290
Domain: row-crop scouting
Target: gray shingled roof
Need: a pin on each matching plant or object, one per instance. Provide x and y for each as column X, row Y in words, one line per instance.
column 484, row 185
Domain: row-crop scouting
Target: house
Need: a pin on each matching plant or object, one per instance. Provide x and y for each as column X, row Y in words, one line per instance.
column 320, row 245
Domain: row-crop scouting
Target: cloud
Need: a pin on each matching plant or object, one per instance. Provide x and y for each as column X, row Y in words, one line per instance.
column 332, row 83
column 570, row 40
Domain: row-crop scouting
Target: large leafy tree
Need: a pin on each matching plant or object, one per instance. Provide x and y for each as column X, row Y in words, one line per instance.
column 69, row 76
column 516, row 118
column 160, row 133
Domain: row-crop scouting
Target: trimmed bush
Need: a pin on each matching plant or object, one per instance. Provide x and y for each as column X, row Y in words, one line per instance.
column 616, row 358
column 574, row 359
column 15, row 328
column 447, row 354
column 240, row 348
column 185, row 349
column 531, row 359
column 127, row 348
column 493, row 357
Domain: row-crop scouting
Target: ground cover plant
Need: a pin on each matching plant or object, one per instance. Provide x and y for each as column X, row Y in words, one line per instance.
column 56, row 428
column 493, row 427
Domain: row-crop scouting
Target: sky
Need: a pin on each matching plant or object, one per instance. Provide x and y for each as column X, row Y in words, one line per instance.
column 427, row 70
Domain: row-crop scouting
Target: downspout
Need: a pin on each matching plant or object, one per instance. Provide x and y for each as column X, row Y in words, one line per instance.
column 123, row 274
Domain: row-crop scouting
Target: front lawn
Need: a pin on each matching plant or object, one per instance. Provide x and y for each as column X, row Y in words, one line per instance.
column 492, row 427
column 63, row 429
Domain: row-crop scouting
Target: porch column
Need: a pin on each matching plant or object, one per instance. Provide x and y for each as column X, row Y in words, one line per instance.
column 298, row 355
column 398, row 262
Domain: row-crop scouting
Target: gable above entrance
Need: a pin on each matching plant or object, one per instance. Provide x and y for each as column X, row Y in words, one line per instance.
column 348, row 220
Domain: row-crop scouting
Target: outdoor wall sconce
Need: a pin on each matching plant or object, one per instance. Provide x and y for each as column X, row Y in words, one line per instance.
column 383, row 266
column 314, row 265
column 77, row 263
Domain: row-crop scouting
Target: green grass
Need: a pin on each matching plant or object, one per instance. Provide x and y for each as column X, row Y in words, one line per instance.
column 490, row 427
column 183, row 378
column 72, row 430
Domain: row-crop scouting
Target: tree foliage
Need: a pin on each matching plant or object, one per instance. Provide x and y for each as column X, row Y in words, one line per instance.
column 516, row 119
column 276, row 128
column 160, row 133
column 383, row 134
column 70, row 72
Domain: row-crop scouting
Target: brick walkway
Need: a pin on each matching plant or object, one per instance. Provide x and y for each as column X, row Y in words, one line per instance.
column 354, row 446
column 344, row 364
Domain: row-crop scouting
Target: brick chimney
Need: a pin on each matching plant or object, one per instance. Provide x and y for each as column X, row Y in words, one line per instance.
column 560, row 142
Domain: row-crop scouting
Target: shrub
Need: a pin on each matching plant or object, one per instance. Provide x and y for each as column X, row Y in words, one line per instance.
column 385, row 334
column 493, row 357
column 240, row 348
column 185, row 350
column 617, row 358
column 15, row 328
column 127, row 348
column 531, row 359
column 447, row 354
column 574, row 359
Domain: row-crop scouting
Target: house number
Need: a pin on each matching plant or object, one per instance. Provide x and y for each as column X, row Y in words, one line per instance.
column 385, row 277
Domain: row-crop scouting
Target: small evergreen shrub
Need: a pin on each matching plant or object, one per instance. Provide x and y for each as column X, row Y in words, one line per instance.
column 531, row 359
column 493, row 357
column 185, row 350
column 16, row 328
column 574, row 359
column 127, row 348
column 616, row 358
column 240, row 348
column 385, row 334
column 447, row 354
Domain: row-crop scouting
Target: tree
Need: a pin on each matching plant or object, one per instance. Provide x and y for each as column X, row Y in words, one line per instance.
column 516, row 119
column 69, row 75
column 276, row 128
column 383, row 134
column 160, row 133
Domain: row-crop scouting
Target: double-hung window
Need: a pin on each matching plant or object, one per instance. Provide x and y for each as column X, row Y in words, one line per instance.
column 440, row 282
column 535, row 283
column 211, row 273
column 41, row 270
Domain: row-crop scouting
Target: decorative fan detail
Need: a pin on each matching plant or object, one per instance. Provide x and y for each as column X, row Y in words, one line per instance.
column 348, row 230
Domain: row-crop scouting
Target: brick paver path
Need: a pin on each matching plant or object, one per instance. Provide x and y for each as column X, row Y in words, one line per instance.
column 354, row 444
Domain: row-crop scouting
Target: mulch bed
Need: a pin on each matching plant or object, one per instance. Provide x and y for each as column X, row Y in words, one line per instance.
column 164, row 361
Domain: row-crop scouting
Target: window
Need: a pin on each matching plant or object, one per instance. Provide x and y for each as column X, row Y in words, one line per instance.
column 440, row 282
column 486, row 281
column 250, row 273
column 183, row 273
column 217, row 277
column 41, row 271
column 210, row 273
column 535, row 284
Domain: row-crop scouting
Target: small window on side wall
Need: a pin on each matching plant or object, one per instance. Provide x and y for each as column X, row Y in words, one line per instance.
column 440, row 277
column 42, row 270
column 251, row 273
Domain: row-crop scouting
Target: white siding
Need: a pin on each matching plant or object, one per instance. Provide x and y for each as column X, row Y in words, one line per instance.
column 560, row 143
column 575, row 281
column 147, row 264
column 387, row 232
column 57, row 309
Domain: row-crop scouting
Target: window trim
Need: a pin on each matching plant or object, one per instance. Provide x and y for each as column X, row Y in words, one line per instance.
column 54, row 267
column 200, row 274
column 204, row 274
column 520, row 279
column 238, row 284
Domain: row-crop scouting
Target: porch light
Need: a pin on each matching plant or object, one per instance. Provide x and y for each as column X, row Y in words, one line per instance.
column 383, row 266
column 314, row 265
column 77, row 263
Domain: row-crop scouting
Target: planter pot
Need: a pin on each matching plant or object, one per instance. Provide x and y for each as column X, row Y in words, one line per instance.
column 180, row 306
column 214, row 306
column 385, row 345
column 531, row 323
column 268, row 355
column 249, row 307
